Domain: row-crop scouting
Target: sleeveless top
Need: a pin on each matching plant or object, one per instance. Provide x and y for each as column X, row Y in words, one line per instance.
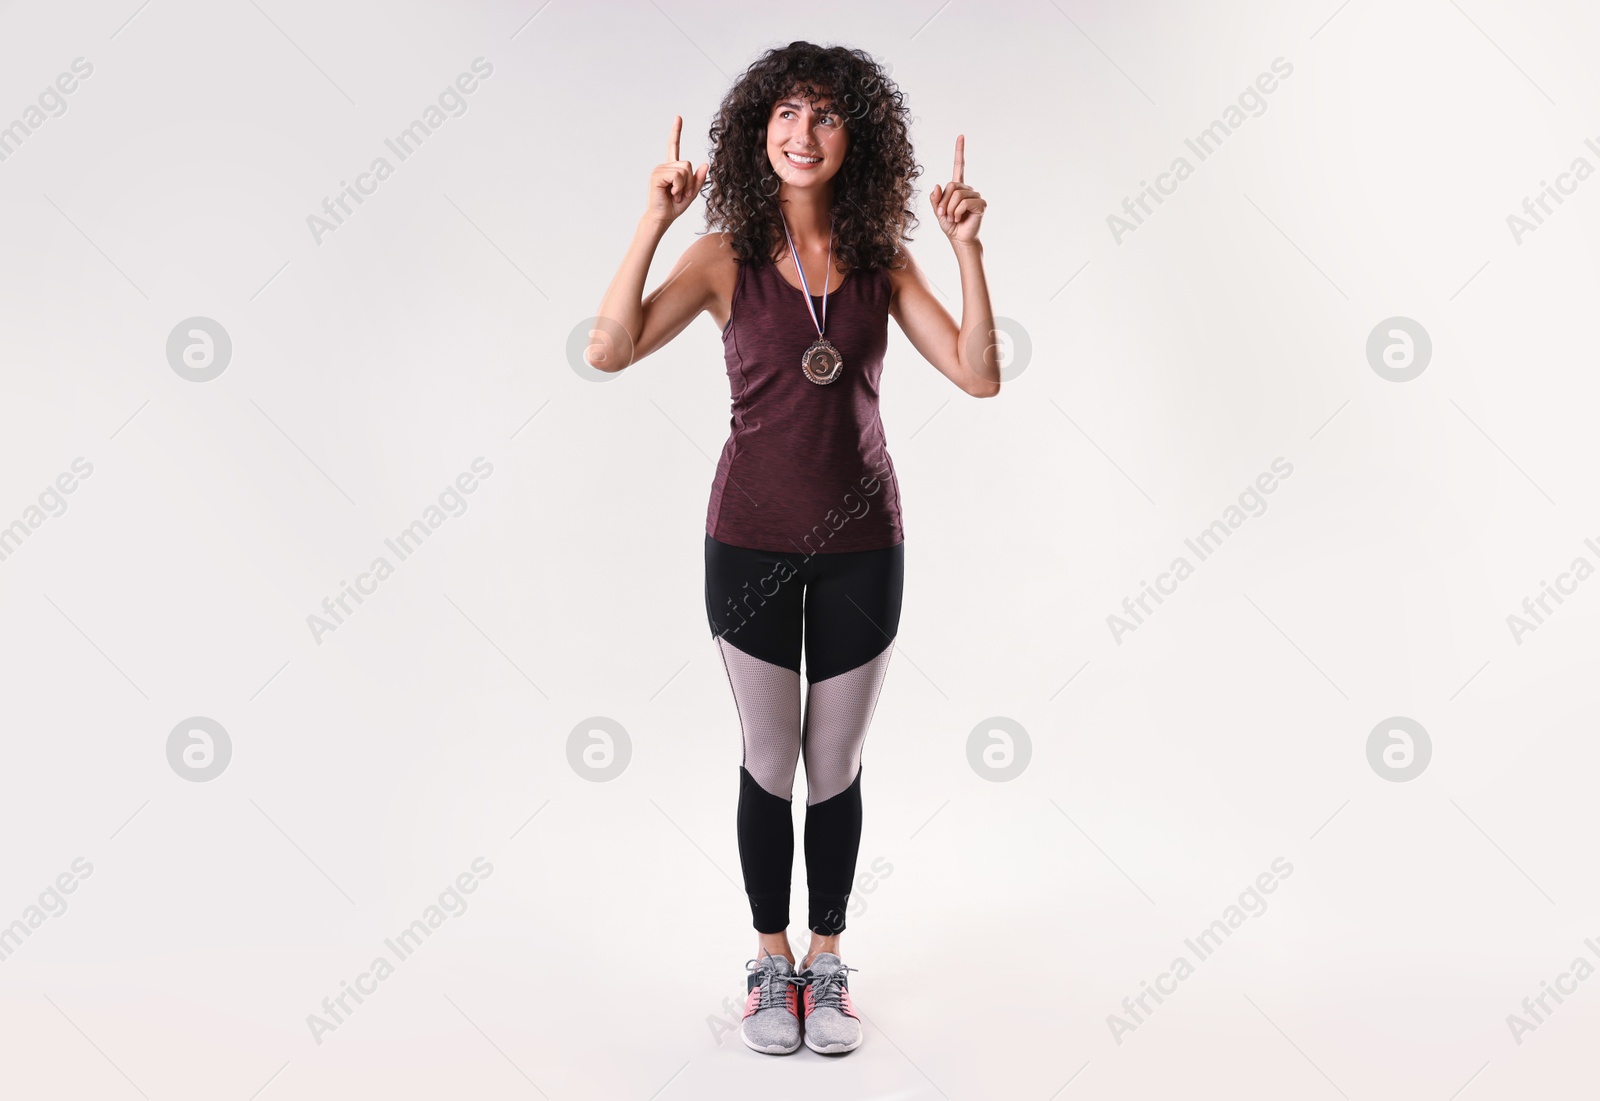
column 806, row 468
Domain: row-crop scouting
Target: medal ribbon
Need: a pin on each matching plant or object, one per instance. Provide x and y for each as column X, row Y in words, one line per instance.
column 807, row 287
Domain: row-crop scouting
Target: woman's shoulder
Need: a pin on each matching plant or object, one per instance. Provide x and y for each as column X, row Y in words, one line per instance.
column 713, row 246
column 712, row 254
column 899, row 272
column 715, row 267
column 900, row 265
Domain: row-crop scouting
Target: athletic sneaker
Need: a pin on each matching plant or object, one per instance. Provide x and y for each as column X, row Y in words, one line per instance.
column 772, row 1007
column 831, row 1023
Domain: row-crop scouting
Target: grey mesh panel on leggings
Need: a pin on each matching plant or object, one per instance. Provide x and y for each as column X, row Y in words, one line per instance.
column 838, row 713
column 768, row 699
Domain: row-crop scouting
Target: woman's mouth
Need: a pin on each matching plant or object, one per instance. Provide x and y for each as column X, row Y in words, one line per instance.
column 800, row 161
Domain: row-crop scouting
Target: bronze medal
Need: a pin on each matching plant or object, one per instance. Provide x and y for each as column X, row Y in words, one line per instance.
column 822, row 362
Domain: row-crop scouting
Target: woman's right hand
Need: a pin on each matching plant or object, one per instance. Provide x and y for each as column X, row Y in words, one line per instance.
column 673, row 183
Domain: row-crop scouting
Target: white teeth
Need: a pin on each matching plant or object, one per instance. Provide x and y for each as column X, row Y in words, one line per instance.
column 803, row 160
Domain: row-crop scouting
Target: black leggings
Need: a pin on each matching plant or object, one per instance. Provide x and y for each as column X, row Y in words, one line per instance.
column 847, row 607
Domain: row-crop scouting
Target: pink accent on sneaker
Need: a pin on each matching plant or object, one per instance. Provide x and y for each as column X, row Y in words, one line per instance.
column 753, row 1001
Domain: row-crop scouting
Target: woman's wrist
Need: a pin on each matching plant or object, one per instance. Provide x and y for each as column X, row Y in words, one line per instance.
column 653, row 226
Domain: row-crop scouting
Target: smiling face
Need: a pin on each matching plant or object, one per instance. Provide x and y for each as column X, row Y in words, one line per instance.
column 806, row 142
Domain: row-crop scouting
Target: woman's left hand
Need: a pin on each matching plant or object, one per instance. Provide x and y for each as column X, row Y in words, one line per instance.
column 959, row 208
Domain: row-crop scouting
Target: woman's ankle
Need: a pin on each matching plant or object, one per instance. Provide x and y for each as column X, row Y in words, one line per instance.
column 776, row 944
column 819, row 944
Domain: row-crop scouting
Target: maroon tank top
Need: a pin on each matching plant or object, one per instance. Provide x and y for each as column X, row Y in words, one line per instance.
column 806, row 468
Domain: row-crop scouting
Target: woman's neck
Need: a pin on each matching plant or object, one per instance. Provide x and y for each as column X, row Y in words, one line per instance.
column 809, row 218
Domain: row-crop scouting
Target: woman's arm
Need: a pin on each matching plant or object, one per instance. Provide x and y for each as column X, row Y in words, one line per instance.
column 968, row 356
column 629, row 328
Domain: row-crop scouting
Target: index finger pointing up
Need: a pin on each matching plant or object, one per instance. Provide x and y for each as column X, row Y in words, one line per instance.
column 961, row 158
column 672, row 142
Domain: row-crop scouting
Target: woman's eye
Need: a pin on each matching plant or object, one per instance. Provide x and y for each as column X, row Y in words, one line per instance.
column 826, row 118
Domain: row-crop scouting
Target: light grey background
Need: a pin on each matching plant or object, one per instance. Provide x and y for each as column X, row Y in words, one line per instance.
column 1168, row 770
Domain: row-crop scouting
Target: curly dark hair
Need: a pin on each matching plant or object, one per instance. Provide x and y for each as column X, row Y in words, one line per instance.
column 872, row 190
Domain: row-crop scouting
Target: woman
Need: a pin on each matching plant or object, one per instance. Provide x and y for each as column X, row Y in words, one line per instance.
column 811, row 172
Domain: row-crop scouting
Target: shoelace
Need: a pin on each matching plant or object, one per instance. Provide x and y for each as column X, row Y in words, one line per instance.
column 772, row 992
column 828, row 986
